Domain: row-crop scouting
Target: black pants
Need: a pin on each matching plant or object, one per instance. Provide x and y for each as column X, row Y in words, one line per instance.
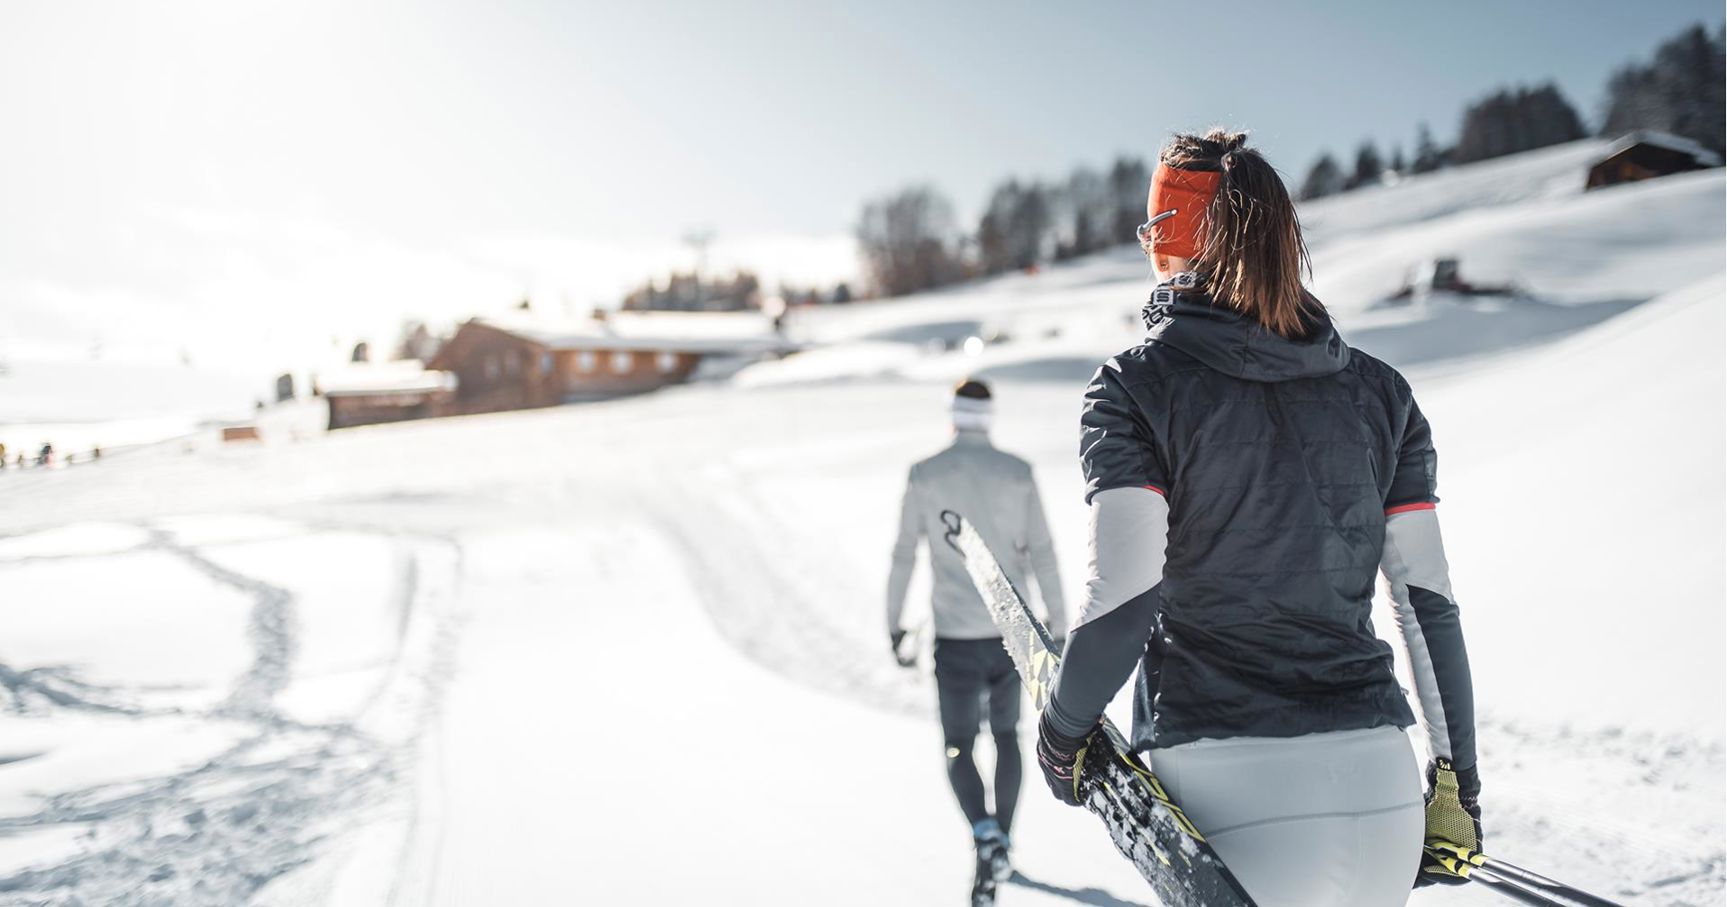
column 970, row 675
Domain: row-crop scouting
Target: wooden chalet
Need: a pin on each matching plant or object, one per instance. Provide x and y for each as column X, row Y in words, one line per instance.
column 503, row 364
column 1647, row 154
column 368, row 394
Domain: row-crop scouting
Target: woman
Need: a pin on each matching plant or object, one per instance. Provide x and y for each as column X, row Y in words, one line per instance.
column 1248, row 475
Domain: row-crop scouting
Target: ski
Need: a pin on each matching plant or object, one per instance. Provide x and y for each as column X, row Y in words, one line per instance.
column 1145, row 825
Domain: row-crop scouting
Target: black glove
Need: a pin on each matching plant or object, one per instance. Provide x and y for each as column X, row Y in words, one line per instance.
column 1453, row 825
column 905, row 661
column 1060, row 757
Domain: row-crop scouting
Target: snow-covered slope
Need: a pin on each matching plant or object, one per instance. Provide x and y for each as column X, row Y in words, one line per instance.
column 78, row 406
column 1545, row 173
column 633, row 651
column 1619, row 243
column 1583, row 510
column 1580, row 258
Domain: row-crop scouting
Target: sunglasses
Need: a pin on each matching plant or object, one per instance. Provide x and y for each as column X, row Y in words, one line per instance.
column 1144, row 231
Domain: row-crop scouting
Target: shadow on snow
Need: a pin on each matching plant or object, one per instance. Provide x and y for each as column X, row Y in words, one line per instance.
column 1094, row 896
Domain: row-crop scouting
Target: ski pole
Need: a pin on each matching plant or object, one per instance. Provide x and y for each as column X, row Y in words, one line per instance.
column 1516, row 892
column 1500, row 868
column 1509, row 878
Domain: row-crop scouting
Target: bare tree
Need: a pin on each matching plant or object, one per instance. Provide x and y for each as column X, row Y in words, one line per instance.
column 1084, row 210
column 415, row 341
column 1129, row 179
column 906, row 240
column 1012, row 233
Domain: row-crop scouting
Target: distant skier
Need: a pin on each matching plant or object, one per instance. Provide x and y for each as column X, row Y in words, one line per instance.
column 996, row 491
column 1248, row 475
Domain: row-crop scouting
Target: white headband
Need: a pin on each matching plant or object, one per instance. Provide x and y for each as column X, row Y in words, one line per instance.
column 972, row 414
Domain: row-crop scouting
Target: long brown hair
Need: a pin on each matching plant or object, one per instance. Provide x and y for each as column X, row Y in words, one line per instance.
column 1253, row 255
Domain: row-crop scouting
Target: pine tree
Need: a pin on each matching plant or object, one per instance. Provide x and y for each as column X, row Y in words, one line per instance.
column 1428, row 157
column 1323, row 178
column 1680, row 91
column 1513, row 120
column 1369, row 169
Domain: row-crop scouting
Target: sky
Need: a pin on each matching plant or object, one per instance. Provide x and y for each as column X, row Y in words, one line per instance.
column 255, row 182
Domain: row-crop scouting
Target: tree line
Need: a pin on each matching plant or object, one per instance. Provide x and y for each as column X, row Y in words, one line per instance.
column 911, row 240
column 1678, row 91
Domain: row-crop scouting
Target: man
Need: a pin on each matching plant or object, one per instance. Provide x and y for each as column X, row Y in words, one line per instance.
column 996, row 493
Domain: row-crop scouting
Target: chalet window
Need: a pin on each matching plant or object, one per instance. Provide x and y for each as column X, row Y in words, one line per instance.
column 585, row 361
column 545, row 363
column 491, row 367
column 512, row 363
column 666, row 362
column 621, row 361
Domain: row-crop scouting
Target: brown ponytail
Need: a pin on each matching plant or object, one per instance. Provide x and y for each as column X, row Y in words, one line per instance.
column 1253, row 256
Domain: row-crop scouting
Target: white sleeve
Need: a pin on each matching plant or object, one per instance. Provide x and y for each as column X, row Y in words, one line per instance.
column 1428, row 618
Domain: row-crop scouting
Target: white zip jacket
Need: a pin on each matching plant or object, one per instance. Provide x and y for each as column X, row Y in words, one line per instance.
column 996, row 493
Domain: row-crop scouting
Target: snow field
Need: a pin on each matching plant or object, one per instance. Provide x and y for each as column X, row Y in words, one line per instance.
column 634, row 651
column 178, row 730
column 646, row 762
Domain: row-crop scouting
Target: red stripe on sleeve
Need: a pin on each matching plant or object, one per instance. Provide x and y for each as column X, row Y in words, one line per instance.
column 1406, row 508
column 1158, row 490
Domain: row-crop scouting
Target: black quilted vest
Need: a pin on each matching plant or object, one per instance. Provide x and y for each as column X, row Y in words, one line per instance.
column 1278, row 459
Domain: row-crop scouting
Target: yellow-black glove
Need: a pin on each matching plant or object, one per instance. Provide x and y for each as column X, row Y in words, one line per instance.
column 1453, row 825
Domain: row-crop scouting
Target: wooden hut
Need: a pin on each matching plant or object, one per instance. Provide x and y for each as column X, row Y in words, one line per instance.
column 369, row 394
column 503, row 364
column 1647, row 154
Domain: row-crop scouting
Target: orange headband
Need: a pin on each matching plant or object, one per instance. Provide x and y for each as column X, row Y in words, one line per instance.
column 1177, row 208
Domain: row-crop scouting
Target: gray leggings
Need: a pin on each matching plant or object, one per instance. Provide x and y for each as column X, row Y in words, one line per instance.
column 972, row 677
column 1324, row 820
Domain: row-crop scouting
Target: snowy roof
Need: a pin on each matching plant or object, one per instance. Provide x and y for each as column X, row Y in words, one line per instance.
column 1665, row 140
column 691, row 332
column 407, row 376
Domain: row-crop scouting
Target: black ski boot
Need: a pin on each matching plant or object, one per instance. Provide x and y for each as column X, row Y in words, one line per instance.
column 992, row 861
column 983, row 886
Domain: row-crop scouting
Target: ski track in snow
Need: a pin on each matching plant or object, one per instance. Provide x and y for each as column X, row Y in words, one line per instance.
column 776, row 607
column 218, row 832
column 57, row 686
column 272, row 634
